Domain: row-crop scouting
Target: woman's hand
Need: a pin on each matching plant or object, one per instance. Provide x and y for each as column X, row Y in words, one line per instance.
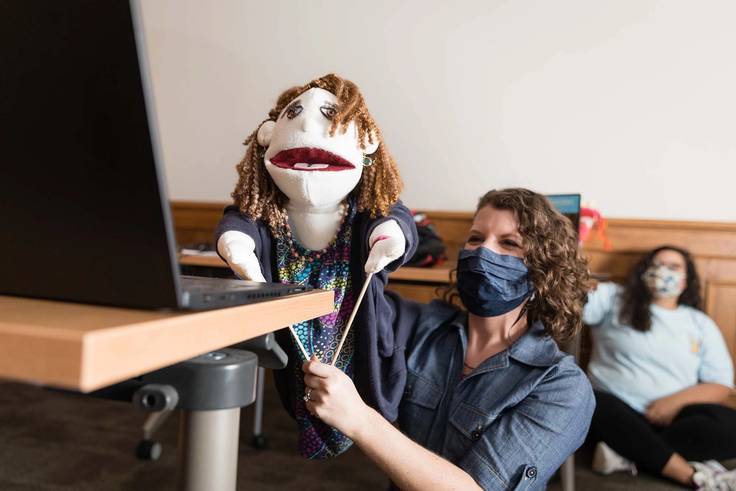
column 333, row 397
column 663, row 411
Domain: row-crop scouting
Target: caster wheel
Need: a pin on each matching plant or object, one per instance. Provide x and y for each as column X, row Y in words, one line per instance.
column 148, row 450
column 260, row 442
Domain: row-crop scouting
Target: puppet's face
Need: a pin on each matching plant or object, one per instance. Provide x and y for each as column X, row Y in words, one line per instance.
column 311, row 167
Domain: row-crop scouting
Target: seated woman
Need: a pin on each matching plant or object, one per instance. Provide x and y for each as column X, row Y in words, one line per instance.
column 661, row 370
column 490, row 401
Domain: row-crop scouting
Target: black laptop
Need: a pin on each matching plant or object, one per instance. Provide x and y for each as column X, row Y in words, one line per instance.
column 83, row 209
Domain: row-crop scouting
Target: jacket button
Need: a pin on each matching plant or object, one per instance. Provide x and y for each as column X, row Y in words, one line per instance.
column 477, row 433
column 531, row 472
column 407, row 390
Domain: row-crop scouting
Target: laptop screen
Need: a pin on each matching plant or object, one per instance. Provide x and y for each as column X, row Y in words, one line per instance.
column 84, row 214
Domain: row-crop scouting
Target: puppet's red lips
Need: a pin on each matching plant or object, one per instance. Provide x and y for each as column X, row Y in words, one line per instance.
column 310, row 159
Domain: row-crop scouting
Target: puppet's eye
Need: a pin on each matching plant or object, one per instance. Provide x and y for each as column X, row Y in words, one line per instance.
column 293, row 111
column 328, row 111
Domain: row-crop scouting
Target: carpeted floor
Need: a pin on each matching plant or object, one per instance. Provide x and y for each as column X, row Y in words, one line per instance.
column 55, row 441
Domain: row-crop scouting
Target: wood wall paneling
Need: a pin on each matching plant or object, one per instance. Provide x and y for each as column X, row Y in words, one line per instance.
column 195, row 222
column 721, row 304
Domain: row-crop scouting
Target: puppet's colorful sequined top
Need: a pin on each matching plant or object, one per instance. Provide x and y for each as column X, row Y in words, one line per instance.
column 328, row 269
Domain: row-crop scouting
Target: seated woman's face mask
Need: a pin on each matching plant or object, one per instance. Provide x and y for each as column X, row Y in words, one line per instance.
column 491, row 284
column 662, row 281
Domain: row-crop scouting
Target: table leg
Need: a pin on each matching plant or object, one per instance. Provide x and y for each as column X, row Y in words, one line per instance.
column 208, row 449
column 258, row 407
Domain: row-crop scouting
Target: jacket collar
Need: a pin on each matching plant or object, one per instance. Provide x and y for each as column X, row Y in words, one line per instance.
column 534, row 348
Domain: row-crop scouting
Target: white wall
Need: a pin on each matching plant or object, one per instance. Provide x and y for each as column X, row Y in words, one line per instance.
column 631, row 102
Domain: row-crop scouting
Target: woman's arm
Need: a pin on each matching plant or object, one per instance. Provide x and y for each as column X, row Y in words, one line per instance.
column 335, row 401
column 600, row 301
column 664, row 410
column 703, row 394
column 409, row 465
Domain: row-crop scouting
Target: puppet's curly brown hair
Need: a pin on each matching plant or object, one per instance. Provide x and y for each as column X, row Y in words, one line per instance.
column 258, row 197
column 551, row 253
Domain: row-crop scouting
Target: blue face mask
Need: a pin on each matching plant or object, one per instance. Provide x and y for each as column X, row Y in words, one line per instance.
column 491, row 284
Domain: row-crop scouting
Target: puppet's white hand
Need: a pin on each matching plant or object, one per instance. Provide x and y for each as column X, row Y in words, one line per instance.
column 238, row 249
column 387, row 243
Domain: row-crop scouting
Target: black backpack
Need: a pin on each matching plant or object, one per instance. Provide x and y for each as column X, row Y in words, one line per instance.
column 430, row 248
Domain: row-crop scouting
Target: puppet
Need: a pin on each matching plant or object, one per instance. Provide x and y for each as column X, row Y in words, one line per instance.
column 317, row 203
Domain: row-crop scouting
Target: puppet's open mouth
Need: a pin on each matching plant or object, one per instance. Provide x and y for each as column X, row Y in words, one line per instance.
column 310, row 159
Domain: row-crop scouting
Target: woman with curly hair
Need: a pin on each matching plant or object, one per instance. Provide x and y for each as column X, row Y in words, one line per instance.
column 661, row 371
column 490, row 400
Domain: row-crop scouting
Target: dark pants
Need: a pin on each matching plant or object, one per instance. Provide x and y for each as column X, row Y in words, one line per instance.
column 699, row 432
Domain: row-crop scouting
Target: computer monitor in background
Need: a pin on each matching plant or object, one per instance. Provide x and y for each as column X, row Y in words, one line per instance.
column 568, row 205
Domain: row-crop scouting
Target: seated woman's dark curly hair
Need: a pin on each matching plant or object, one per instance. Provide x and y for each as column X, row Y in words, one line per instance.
column 551, row 253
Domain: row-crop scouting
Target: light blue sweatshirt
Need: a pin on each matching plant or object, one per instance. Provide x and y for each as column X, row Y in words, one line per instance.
column 683, row 347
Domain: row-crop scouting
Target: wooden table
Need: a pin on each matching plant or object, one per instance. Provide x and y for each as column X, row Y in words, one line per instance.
column 87, row 347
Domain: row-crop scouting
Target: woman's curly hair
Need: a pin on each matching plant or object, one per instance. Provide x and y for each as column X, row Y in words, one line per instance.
column 557, row 269
column 258, row 197
column 637, row 298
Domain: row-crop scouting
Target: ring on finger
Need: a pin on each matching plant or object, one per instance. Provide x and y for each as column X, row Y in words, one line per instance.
column 308, row 394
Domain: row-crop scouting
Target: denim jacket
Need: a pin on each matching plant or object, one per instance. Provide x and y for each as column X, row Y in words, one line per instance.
column 512, row 421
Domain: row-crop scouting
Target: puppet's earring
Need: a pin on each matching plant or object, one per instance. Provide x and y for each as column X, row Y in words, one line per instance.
column 367, row 161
